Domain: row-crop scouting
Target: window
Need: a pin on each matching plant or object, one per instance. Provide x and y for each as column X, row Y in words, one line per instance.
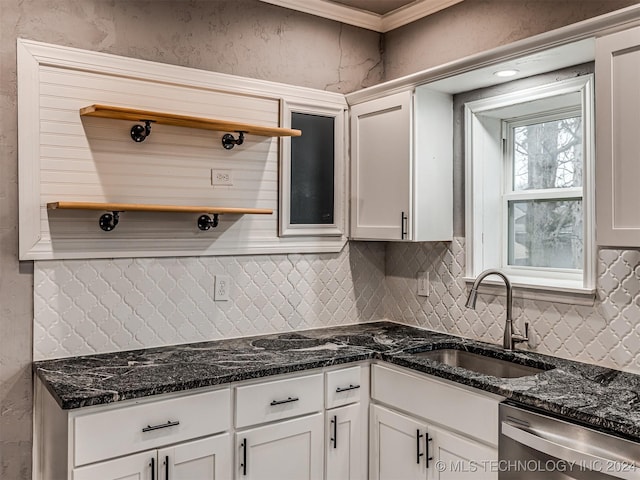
column 312, row 171
column 529, row 185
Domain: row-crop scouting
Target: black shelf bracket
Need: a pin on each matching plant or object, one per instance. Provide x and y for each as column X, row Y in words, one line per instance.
column 139, row 133
column 108, row 221
column 228, row 141
column 205, row 222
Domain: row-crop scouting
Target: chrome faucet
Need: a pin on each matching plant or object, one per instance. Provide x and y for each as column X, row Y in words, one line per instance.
column 510, row 339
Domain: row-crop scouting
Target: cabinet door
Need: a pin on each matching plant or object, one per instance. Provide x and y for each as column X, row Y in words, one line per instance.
column 141, row 466
column 459, row 458
column 381, row 168
column 346, row 443
column 206, row 459
column 617, row 139
column 397, row 442
column 312, row 176
column 287, row 450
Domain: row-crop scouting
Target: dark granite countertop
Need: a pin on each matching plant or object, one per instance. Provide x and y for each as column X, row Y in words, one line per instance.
column 603, row 398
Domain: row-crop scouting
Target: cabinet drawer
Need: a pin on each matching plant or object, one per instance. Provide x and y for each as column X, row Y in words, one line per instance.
column 470, row 413
column 345, row 386
column 121, row 431
column 269, row 401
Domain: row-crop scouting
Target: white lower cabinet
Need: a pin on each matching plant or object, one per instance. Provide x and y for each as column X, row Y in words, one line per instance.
column 131, row 467
column 346, row 443
column 427, row 428
column 286, row 450
column 205, row 459
column 313, row 426
column 395, row 446
column 457, row 457
column 407, row 448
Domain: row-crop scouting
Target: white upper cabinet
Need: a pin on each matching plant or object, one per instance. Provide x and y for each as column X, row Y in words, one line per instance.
column 617, row 139
column 401, row 167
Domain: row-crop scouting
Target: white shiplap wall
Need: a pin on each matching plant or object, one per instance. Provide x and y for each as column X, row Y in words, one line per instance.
column 69, row 158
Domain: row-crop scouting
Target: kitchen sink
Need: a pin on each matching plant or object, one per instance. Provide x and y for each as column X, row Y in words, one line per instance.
column 479, row 363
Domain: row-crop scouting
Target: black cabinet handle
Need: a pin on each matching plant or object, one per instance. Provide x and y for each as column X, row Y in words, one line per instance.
column 243, row 445
column 426, row 447
column 334, row 421
column 150, row 428
column 280, row 402
column 418, row 454
column 153, row 468
column 166, row 467
column 346, row 389
column 403, row 229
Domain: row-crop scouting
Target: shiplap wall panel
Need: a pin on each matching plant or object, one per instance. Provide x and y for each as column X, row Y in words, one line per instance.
column 94, row 159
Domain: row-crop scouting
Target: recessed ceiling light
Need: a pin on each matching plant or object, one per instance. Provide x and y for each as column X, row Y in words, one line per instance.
column 506, row 73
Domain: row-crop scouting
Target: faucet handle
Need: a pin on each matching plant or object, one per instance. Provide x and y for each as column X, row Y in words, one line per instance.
column 522, row 338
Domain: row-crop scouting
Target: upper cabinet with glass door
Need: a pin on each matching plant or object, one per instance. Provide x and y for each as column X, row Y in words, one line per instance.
column 312, row 176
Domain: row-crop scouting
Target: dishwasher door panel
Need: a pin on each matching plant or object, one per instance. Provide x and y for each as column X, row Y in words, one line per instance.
column 535, row 446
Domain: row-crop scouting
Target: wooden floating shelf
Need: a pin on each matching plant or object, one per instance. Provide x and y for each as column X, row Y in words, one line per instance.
column 124, row 113
column 141, row 207
column 108, row 221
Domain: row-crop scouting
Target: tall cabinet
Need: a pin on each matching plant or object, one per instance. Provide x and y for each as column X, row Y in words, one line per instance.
column 617, row 139
column 402, row 167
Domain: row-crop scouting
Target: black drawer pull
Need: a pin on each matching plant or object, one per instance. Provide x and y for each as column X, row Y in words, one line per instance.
column 334, row 422
column 426, row 447
column 150, row 428
column 280, row 402
column 243, row 445
column 153, row 468
column 346, row 389
column 418, row 454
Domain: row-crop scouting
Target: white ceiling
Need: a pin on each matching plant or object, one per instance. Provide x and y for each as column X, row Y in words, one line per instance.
column 378, row 15
column 381, row 7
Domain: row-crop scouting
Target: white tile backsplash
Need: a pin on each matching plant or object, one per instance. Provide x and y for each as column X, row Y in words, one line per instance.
column 607, row 333
column 95, row 306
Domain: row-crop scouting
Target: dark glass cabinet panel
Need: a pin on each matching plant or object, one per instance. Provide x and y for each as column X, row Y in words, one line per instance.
column 312, row 170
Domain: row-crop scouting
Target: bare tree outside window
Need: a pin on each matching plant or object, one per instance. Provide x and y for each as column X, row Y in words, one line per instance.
column 545, row 231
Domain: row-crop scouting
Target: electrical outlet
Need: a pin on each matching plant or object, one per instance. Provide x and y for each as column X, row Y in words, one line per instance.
column 423, row 284
column 221, row 178
column 222, row 286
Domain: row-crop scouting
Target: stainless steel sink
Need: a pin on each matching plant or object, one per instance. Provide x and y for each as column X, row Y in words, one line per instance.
column 479, row 363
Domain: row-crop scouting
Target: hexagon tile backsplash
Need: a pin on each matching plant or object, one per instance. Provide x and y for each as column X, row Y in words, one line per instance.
column 93, row 306
column 607, row 333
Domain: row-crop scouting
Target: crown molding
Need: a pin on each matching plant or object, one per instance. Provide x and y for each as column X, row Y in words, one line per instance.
column 364, row 19
column 412, row 12
column 333, row 11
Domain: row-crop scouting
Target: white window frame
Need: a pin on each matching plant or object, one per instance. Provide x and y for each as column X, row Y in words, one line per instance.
column 487, row 177
column 337, row 228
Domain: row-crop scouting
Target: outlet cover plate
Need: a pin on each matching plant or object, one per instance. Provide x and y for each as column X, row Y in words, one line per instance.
column 423, row 284
column 221, row 178
column 222, row 287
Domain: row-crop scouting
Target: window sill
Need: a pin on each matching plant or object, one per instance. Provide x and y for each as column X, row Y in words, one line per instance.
column 534, row 289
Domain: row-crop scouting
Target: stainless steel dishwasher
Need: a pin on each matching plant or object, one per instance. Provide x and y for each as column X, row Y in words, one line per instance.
column 536, row 446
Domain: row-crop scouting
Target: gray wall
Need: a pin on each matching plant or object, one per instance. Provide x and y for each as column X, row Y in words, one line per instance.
column 477, row 25
column 242, row 37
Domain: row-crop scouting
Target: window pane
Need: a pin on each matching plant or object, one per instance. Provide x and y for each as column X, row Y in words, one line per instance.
column 548, row 155
column 312, row 170
column 546, row 233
